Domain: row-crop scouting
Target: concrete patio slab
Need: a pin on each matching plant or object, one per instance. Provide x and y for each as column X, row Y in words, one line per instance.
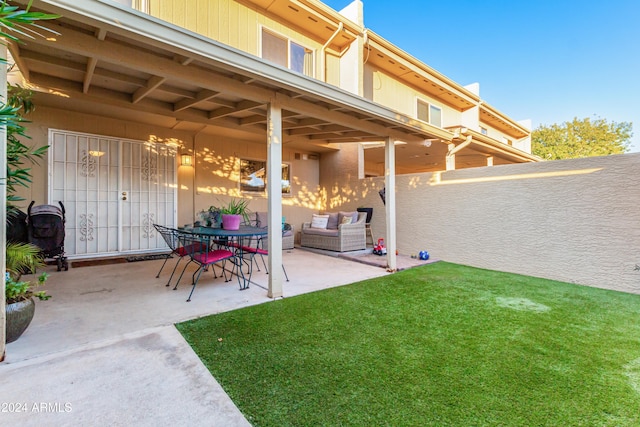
column 104, row 351
column 148, row 378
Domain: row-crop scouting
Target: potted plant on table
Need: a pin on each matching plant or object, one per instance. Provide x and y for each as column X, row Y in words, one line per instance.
column 20, row 306
column 210, row 217
column 233, row 213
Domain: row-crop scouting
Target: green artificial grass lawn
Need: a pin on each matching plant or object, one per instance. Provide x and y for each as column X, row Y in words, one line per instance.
column 442, row 344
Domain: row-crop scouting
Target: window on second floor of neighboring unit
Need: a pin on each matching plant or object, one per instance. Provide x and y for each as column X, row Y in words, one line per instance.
column 287, row 53
column 484, row 131
column 429, row 113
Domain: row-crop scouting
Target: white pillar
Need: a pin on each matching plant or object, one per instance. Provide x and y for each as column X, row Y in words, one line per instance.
column 489, row 160
column 361, row 170
column 451, row 158
column 390, row 205
column 274, row 198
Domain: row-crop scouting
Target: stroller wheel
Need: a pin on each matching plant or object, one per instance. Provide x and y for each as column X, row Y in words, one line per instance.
column 66, row 265
column 59, row 264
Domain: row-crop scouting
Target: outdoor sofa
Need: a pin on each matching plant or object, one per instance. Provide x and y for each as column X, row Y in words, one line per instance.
column 260, row 219
column 338, row 234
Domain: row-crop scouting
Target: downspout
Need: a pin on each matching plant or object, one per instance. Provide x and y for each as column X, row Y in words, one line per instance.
column 456, row 148
column 323, row 69
column 450, row 159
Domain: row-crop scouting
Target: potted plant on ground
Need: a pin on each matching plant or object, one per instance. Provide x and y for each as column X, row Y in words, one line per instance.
column 233, row 213
column 19, row 294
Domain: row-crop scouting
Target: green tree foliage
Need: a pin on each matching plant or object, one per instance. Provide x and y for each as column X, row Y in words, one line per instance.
column 581, row 138
column 18, row 153
column 14, row 23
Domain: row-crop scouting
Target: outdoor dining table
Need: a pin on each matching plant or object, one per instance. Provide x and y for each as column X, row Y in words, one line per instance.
column 239, row 240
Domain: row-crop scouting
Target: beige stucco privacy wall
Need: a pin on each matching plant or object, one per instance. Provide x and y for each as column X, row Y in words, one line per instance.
column 573, row 220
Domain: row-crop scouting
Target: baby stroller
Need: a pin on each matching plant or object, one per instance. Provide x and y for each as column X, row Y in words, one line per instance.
column 45, row 225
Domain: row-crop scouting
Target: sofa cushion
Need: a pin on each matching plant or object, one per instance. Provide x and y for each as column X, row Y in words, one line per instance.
column 319, row 221
column 262, row 219
column 322, row 232
column 352, row 215
column 346, row 220
column 332, row 224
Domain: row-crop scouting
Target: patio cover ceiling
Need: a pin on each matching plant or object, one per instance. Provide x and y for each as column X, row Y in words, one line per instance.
column 113, row 61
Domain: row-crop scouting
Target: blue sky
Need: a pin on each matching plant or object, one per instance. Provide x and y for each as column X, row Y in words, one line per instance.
column 544, row 60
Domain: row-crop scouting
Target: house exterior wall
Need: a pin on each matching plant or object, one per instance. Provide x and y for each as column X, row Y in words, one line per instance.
column 213, row 179
column 351, row 64
column 337, row 170
column 238, row 25
column 470, row 119
column 44, row 118
column 572, row 220
column 499, row 135
column 228, row 22
column 385, row 89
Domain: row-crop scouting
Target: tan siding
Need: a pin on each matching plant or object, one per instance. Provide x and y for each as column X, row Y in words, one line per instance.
column 226, row 27
column 234, row 36
column 234, row 24
column 387, row 90
column 228, row 22
column 333, row 70
column 203, row 14
column 179, row 16
column 495, row 133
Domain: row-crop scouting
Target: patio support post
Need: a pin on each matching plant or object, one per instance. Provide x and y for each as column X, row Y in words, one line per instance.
column 390, row 204
column 3, row 213
column 451, row 158
column 274, row 197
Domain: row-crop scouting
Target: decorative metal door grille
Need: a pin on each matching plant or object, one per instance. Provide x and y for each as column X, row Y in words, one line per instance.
column 113, row 191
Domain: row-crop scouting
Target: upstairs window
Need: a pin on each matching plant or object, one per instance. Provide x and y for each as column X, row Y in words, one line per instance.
column 287, row 53
column 429, row 113
column 483, row 131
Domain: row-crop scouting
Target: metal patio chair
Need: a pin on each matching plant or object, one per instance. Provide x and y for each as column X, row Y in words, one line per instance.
column 198, row 248
column 171, row 239
column 259, row 249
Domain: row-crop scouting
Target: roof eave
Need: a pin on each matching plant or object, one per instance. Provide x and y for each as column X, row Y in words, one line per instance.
column 124, row 20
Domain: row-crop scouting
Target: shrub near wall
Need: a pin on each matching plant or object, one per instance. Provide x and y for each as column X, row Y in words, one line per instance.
column 572, row 220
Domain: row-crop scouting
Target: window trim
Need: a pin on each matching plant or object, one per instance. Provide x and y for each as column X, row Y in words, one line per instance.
column 289, row 40
column 261, row 190
column 429, row 106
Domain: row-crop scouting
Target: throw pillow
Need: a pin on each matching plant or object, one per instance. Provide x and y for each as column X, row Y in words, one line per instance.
column 352, row 215
column 333, row 221
column 346, row 220
column 319, row 221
